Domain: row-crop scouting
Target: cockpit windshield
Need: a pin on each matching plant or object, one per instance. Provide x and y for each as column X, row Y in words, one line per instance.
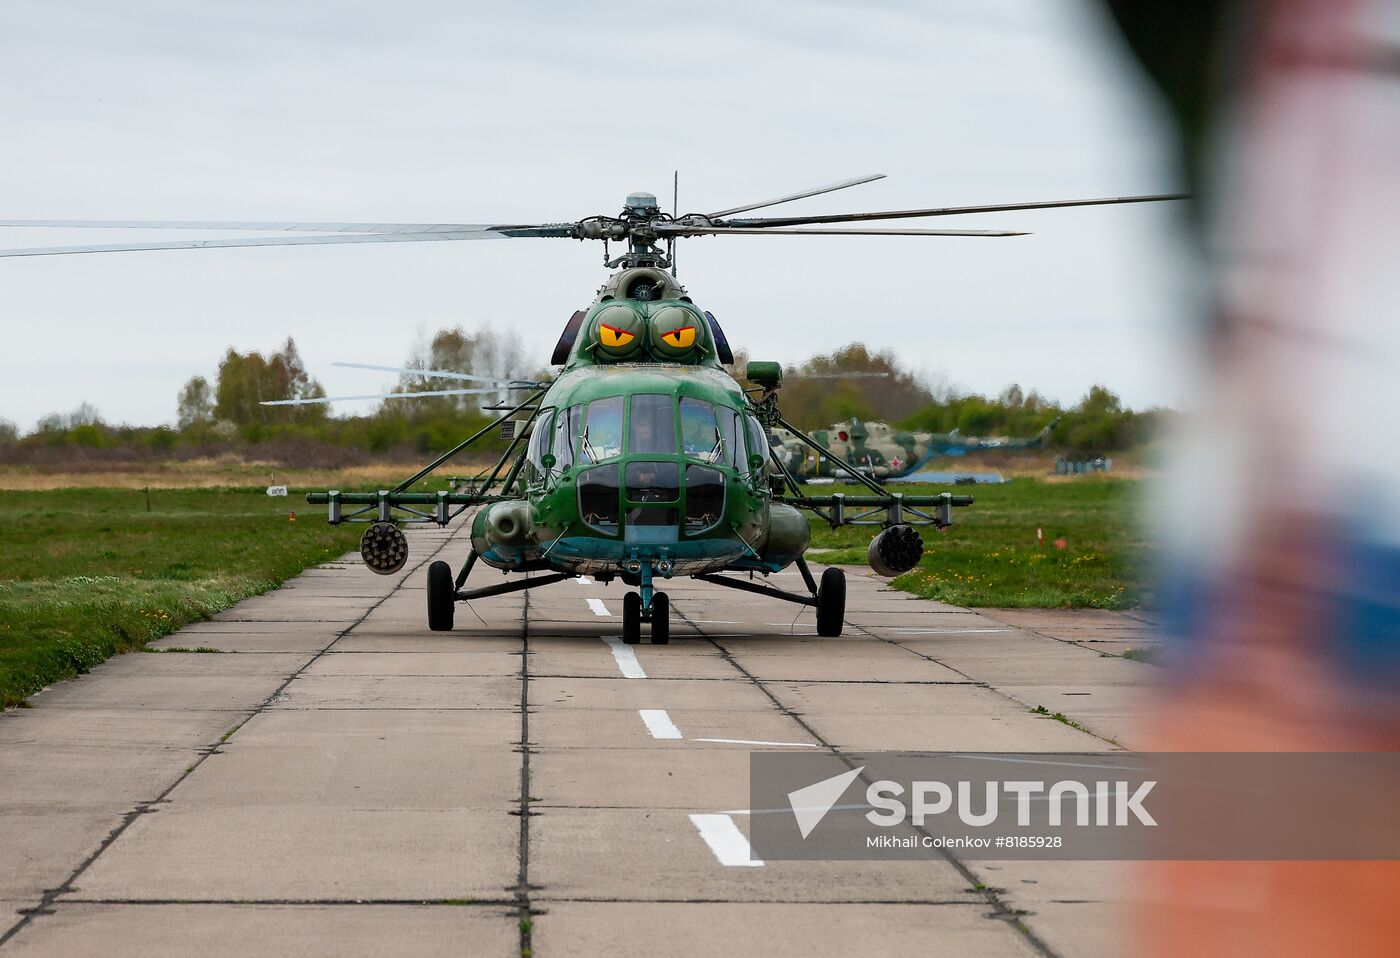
column 602, row 430
column 653, row 425
column 701, row 436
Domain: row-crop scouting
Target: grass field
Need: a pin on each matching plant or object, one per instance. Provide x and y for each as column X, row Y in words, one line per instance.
column 87, row 573
column 990, row 556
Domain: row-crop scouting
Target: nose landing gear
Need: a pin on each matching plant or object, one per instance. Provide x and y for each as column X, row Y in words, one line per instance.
column 635, row 611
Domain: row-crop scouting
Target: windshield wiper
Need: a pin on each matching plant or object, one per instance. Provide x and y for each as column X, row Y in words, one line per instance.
column 718, row 450
column 588, row 449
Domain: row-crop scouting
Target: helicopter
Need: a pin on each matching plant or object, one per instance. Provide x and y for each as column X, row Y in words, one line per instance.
column 643, row 459
column 884, row 452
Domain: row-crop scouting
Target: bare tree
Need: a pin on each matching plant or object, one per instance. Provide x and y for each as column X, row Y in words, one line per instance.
column 195, row 404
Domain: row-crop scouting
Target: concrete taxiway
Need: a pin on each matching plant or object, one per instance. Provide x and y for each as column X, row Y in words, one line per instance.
column 336, row 779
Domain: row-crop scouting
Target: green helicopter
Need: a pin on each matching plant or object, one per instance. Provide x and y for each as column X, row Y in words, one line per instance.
column 643, row 459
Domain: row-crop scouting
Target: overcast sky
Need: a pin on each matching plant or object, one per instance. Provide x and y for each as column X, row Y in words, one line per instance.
column 465, row 112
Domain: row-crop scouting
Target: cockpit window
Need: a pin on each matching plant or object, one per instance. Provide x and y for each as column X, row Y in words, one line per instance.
column 733, row 434
column 566, row 430
column 653, row 425
column 602, row 430
column 653, row 481
column 758, row 439
column 700, row 433
column 598, row 499
column 649, row 482
column 539, row 442
column 704, row 497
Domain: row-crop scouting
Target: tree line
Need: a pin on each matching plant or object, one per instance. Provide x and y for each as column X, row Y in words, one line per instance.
column 853, row 381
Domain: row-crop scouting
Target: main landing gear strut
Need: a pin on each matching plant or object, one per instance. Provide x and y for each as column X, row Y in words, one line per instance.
column 644, row 605
column 829, row 598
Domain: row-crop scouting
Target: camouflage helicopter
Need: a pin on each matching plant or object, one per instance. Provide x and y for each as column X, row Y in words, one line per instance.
column 881, row 451
column 643, row 459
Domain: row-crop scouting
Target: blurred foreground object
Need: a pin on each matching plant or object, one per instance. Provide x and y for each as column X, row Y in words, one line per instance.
column 1283, row 597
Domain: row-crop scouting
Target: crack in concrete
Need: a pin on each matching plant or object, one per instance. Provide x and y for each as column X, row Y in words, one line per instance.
column 521, row 900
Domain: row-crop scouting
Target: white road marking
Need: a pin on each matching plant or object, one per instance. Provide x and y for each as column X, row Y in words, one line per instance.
column 597, row 606
column 626, row 658
column 584, row 580
column 659, row 724
column 714, row 621
column 745, row 741
column 726, row 841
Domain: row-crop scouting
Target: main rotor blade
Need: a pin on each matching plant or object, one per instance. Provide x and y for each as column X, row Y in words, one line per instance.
column 278, row 227
column 446, row 374
column 666, row 230
column 326, row 240
column 417, row 395
column 831, row 188
column 860, row 375
column 768, row 222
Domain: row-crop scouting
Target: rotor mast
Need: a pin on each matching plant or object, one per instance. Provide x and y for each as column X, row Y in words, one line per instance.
column 640, row 214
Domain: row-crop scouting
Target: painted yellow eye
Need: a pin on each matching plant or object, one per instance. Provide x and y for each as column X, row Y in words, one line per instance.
column 682, row 338
column 612, row 337
column 676, row 333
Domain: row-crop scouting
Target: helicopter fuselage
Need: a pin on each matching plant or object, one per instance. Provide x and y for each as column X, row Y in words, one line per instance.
column 644, row 457
column 636, row 467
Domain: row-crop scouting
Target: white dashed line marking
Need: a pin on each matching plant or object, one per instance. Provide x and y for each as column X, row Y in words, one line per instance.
column 659, row 724
column 597, row 606
column 726, row 841
column 626, row 659
column 584, row 580
column 745, row 741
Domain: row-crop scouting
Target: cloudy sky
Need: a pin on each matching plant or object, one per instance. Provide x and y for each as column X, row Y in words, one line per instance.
column 466, row 112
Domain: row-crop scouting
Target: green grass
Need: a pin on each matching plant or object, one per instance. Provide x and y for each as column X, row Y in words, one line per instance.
column 990, row 556
column 88, row 573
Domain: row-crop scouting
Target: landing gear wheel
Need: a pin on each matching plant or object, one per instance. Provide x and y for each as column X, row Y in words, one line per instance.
column 632, row 618
column 442, row 597
column 831, row 603
column 660, row 619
